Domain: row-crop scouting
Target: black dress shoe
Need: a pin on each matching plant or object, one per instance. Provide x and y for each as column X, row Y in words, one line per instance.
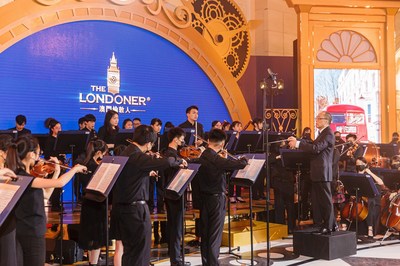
column 324, row 231
column 180, row 263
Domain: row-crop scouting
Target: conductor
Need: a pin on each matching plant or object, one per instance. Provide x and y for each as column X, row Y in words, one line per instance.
column 321, row 150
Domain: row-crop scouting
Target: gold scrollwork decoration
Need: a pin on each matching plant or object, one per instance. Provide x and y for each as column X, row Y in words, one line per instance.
column 282, row 120
column 180, row 17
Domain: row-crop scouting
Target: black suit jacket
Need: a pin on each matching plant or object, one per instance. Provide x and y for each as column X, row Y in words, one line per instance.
column 321, row 150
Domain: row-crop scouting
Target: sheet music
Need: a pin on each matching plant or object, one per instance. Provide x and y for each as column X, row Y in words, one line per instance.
column 181, row 177
column 103, row 177
column 251, row 170
column 7, row 192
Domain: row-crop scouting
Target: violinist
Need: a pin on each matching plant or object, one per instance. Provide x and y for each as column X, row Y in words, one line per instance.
column 374, row 204
column 351, row 152
column 226, row 126
column 395, row 162
column 127, row 124
column 192, row 114
column 29, row 213
column 176, row 137
column 92, row 224
column 235, row 126
column 81, row 123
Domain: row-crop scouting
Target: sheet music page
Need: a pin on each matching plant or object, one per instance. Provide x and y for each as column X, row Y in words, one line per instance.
column 251, row 170
column 180, row 179
column 103, row 177
column 7, row 192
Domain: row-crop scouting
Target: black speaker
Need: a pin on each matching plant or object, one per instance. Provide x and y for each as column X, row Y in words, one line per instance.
column 328, row 247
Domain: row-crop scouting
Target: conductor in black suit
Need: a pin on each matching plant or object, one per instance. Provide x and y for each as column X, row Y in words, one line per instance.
column 321, row 151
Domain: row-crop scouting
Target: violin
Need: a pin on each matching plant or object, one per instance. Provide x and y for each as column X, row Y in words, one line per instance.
column 42, row 169
column 352, row 150
column 190, row 152
column 247, row 125
column 349, row 210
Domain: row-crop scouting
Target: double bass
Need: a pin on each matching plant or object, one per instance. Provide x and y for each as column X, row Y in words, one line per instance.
column 390, row 214
column 353, row 210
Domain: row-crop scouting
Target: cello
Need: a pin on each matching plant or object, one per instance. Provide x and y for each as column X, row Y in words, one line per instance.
column 390, row 214
column 351, row 212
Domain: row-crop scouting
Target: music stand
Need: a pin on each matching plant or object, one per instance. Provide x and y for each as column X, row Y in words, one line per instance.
column 247, row 141
column 42, row 138
column 391, row 178
column 102, row 182
column 359, row 185
column 189, row 137
column 175, row 190
column 388, row 150
column 10, row 132
column 230, row 139
column 247, row 177
column 296, row 160
column 11, row 193
column 122, row 136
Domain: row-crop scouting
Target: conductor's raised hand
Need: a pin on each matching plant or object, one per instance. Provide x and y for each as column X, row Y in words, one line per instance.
column 292, row 142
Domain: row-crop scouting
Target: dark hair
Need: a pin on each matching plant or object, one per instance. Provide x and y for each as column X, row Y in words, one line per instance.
column 137, row 118
column 119, row 149
column 18, row 150
column 362, row 159
column 175, row 132
column 93, row 147
column 126, row 122
column 216, row 135
column 225, row 124
column 395, row 134
column 107, row 118
column 191, row 107
column 155, row 120
column 351, row 136
column 90, row 118
column 50, row 123
column 334, row 133
column 304, row 131
column 20, row 119
column 82, row 120
column 144, row 134
column 234, row 123
column 256, row 120
column 5, row 142
column 168, row 124
column 213, row 123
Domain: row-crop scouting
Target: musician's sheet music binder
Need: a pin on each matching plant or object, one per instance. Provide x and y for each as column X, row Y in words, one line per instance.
column 248, row 175
column 247, row 141
column 10, row 193
column 11, row 132
column 76, row 139
column 180, row 182
column 104, row 178
column 122, row 136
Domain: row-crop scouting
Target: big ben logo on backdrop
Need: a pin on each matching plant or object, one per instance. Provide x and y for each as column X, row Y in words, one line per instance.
column 113, row 77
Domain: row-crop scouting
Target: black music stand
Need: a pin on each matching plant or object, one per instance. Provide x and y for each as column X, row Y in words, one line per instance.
column 359, row 185
column 103, row 180
column 297, row 160
column 42, row 138
column 71, row 142
column 391, row 178
column 230, row 139
column 247, row 141
column 15, row 187
column 122, row 136
column 10, row 132
column 388, row 150
column 189, row 137
column 175, row 190
column 247, row 177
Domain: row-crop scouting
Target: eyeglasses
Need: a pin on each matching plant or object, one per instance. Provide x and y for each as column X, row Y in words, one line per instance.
column 321, row 118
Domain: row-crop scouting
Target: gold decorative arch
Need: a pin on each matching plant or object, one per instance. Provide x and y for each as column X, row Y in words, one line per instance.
column 374, row 21
column 218, row 44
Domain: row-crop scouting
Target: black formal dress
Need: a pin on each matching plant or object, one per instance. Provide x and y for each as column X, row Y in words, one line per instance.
column 106, row 136
column 132, row 217
column 321, row 152
column 92, row 233
column 212, row 183
column 30, row 226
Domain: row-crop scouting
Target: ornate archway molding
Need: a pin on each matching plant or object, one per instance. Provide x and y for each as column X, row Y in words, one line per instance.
column 213, row 44
column 374, row 20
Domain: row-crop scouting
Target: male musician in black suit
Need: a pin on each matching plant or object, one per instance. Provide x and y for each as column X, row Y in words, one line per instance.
column 351, row 152
column 212, row 180
column 130, row 196
column 321, row 152
column 20, row 123
column 175, row 210
column 192, row 113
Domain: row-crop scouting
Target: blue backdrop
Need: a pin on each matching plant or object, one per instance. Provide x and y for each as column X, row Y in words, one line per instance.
column 55, row 72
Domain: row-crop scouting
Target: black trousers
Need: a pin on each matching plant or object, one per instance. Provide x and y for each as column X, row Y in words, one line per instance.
column 135, row 225
column 8, row 244
column 322, row 206
column 284, row 201
column 174, row 228
column 159, row 187
column 31, row 251
column 212, row 216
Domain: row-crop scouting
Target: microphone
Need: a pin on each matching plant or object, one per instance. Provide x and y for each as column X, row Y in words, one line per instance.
column 272, row 75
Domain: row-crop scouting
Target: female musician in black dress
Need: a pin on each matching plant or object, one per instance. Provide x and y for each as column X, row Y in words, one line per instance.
column 110, row 128
column 92, row 234
column 29, row 212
